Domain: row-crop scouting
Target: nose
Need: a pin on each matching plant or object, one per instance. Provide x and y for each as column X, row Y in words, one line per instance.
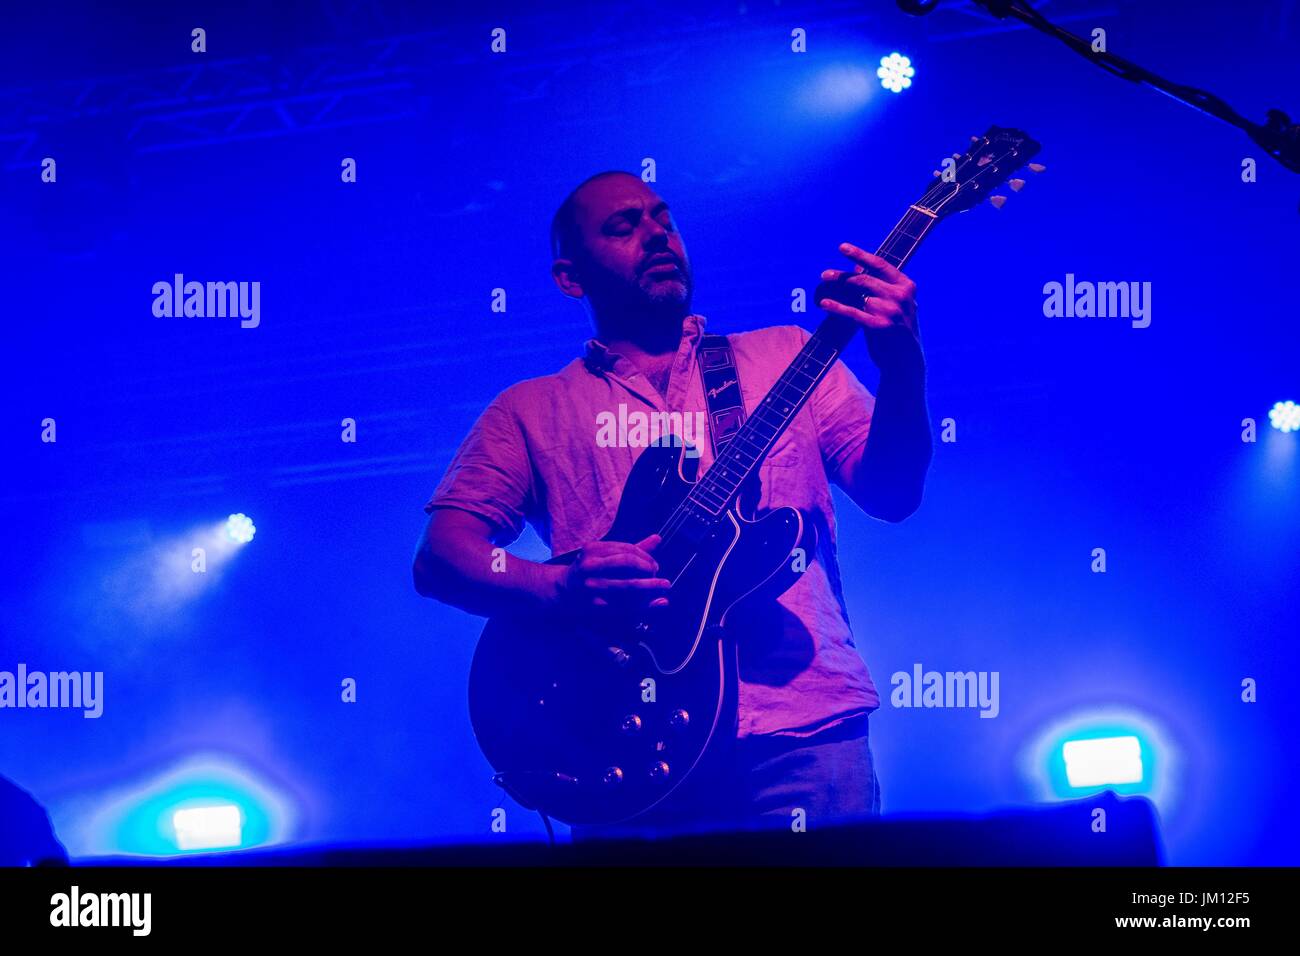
column 656, row 234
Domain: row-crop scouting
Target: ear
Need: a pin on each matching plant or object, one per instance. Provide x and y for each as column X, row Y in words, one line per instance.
column 565, row 274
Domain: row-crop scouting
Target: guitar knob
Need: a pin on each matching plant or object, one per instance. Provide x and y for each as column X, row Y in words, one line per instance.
column 612, row 776
column 659, row 770
column 631, row 724
column 679, row 720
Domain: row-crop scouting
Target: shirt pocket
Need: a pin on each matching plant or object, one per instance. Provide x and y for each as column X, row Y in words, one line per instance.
column 780, row 475
column 784, row 454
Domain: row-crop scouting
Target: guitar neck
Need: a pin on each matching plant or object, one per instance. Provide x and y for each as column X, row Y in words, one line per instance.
column 722, row 482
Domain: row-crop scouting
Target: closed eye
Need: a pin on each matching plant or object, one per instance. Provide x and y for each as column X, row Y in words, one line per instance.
column 623, row 223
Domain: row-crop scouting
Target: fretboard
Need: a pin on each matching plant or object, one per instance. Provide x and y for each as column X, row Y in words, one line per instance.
column 745, row 452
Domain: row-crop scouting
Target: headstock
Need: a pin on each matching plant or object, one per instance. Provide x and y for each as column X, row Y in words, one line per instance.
column 975, row 174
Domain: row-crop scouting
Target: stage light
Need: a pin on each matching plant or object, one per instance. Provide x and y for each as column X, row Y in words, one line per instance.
column 1101, row 755
column 1102, row 761
column 895, row 72
column 1285, row 416
column 154, row 582
column 204, row 804
column 1103, row 748
column 240, row 528
column 208, row 828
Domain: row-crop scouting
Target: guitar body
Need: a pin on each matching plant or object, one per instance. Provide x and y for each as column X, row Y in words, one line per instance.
column 597, row 724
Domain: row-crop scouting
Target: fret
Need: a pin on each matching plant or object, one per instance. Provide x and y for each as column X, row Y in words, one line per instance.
column 788, row 385
column 906, row 236
column 700, row 495
column 695, row 512
column 820, row 361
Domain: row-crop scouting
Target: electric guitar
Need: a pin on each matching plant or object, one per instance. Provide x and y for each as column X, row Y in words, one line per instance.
column 597, row 724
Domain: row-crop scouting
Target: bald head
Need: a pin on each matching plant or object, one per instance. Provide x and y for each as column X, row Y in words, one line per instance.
column 565, row 241
column 616, row 245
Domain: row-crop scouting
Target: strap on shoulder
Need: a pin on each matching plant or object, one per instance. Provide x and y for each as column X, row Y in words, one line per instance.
column 722, row 393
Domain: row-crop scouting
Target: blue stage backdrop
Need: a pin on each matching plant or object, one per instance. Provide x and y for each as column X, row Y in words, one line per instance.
column 1104, row 533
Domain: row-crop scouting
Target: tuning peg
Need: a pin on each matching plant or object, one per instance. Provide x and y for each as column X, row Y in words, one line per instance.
column 974, row 139
column 1036, row 167
column 936, row 172
column 1016, row 185
column 956, row 155
column 997, row 201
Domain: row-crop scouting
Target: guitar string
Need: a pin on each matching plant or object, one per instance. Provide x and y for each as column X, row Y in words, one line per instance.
column 708, row 484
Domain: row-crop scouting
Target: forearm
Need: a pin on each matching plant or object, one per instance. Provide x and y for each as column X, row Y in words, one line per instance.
column 885, row 477
column 457, row 564
column 890, row 475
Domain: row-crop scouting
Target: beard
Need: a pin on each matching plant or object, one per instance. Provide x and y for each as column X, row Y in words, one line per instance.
column 648, row 308
column 667, row 295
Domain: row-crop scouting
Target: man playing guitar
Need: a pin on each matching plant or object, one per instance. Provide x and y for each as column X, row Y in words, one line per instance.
column 804, row 694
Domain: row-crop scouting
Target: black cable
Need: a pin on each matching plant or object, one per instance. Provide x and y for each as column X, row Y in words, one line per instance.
column 1278, row 136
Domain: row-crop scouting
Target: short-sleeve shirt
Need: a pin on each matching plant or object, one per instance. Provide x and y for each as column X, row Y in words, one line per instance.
column 542, row 453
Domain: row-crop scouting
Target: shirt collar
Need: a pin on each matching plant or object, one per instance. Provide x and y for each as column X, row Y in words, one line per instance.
column 599, row 358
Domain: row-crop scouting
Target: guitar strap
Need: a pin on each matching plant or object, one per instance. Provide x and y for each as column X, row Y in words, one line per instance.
column 722, row 394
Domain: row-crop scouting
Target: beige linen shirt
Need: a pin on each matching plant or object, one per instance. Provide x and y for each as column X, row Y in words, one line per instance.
column 534, row 455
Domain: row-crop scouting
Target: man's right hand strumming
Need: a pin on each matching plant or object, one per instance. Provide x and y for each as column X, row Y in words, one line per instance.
column 613, row 575
column 457, row 562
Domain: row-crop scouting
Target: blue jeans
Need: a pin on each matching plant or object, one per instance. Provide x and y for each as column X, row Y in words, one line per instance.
column 766, row 782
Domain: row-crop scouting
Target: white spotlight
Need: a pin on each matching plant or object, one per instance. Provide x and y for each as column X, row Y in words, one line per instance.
column 240, row 528
column 1100, row 761
column 208, row 828
column 896, row 72
column 1285, row 416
